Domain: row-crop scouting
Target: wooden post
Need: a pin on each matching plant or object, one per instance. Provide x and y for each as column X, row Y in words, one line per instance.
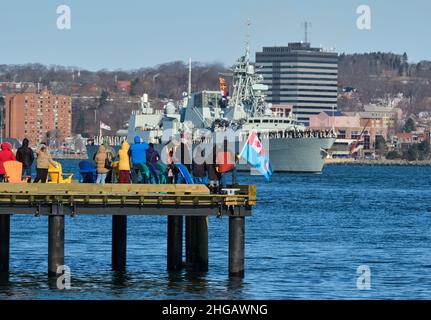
column 4, row 243
column 236, row 246
column 55, row 239
column 200, row 244
column 119, row 242
column 175, row 243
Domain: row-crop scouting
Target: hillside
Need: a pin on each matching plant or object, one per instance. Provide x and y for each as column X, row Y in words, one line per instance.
column 376, row 75
column 98, row 95
column 167, row 80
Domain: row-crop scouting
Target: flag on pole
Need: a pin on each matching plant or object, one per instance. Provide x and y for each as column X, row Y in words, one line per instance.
column 104, row 126
column 256, row 156
column 223, row 87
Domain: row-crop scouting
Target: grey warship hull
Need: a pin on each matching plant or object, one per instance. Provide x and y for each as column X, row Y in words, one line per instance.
column 297, row 154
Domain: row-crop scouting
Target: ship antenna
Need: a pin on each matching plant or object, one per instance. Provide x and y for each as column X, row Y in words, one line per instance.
column 247, row 39
column 189, row 91
column 306, row 25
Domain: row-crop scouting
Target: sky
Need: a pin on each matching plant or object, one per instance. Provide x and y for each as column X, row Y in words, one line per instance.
column 131, row 34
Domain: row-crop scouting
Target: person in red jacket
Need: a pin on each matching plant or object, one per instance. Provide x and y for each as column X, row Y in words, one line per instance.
column 6, row 154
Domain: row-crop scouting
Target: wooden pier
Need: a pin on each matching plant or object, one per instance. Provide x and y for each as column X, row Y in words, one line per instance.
column 194, row 202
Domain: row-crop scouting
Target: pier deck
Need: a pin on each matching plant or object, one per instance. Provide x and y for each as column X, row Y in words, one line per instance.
column 194, row 202
column 123, row 199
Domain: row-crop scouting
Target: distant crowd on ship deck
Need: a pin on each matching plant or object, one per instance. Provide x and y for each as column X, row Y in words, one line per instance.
column 308, row 133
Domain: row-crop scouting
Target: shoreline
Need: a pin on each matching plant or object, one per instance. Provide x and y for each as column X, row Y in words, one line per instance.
column 385, row 162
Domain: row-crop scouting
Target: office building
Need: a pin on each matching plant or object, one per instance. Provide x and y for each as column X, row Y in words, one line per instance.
column 302, row 76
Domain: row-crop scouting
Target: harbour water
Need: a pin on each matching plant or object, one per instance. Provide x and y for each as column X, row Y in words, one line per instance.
column 308, row 235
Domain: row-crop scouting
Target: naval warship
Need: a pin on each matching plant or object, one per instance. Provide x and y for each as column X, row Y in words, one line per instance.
column 290, row 145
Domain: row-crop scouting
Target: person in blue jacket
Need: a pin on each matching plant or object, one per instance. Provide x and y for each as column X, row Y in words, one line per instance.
column 152, row 158
column 138, row 155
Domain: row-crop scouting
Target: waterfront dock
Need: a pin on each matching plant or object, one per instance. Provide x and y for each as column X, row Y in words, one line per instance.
column 194, row 203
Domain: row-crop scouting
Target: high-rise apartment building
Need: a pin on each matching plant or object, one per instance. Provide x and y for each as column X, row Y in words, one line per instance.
column 33, row 115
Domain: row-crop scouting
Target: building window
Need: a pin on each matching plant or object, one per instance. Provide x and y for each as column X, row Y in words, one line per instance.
column 355, row 135
column 367, row 142
column 341, row 134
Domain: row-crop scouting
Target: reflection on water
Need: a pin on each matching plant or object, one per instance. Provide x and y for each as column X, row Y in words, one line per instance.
column 120, row 280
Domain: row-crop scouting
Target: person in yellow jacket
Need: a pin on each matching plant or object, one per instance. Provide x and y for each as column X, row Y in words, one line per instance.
column 124, row 164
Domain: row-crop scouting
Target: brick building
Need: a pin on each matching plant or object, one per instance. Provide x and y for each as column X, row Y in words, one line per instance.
column 349, row 126
column 404, row 140
column 33, row 115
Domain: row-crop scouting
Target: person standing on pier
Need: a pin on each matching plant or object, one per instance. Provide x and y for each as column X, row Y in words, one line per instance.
column 152, row 158
column 42, row 164
column 102, row 162
column 213, row 175
column 26, row 157
column 110, row 152
column 138, row 157
column 182, row 153
column 124, row 165
column 5, row 155
column 225, row 163
column 198, row 165
column 171, row 169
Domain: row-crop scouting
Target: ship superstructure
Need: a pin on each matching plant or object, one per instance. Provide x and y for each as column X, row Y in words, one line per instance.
column 291, row 146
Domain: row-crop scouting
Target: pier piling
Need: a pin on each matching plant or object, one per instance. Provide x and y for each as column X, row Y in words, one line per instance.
column 55, row 240
column 200, row 243
column 175, row 243
column 119, row 242
column 195, row 202
column 236, row 246
column 191, row 241
column 4, row 243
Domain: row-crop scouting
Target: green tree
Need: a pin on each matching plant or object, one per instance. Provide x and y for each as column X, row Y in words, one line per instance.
column 103, row 98
column 412, row 153
column 404, row 64
column 392, row 155
column 405, row 58
column 380, row 144
column 424, row 150
column 410, row 125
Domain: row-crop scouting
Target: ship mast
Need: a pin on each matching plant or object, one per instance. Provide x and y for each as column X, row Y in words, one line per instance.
column 247, row 84
column 189, row 91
